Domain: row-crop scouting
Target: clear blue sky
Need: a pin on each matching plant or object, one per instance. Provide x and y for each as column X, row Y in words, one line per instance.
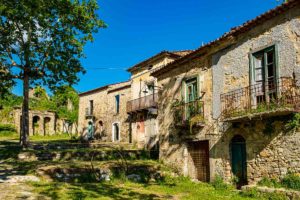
column 138, row 29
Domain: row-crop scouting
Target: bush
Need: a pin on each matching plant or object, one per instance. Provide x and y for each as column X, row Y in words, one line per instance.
column 7, row 130
column 255, row 194
column 219, row 184
column 291, row 181
column 269, row 182
column 252, row 193
column 7, row 127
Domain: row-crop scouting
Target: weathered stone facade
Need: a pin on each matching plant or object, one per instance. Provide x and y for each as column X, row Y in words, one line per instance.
column 40, row 122
column 108, row 122
column 223, row 66
column 143, row 104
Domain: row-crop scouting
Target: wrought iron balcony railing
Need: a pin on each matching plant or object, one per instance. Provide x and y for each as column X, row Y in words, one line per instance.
column 276, row 95
column 185, row 112
column 143, row 103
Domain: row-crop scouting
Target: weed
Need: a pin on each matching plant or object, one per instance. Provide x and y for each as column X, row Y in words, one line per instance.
column 269, row 182
column 219, row 184
column 291, row 181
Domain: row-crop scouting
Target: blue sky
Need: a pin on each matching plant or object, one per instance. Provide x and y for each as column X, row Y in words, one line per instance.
column 138, row 29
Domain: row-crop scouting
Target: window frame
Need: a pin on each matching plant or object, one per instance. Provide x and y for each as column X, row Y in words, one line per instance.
column 117, row 103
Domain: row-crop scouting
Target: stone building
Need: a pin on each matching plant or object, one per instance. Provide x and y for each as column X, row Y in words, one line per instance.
column 40, row 122
column 105, row 107
column 142, row 107
column 226, row 105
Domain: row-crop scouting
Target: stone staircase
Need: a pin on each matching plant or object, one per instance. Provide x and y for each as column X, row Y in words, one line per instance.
column 97, row 151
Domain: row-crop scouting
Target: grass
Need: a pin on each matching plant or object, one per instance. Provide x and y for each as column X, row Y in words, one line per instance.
column 118, row 188
column 47, row 138
column 173, row 188
column 290, row 181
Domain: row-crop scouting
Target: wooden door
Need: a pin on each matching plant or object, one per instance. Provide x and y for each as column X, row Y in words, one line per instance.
column 238, row 159
column 199, row 153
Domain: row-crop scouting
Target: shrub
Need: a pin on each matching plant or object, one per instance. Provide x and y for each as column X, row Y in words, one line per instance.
column 252, row 193
column 291, row 181
column 255, row 194
column 219, row 184
column 7, row 127
column 269, row 182
column 7, row 130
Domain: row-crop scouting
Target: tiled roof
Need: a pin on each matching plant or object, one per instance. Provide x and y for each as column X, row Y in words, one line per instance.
column 233, row 32
column 101, row 88
column 177, row 54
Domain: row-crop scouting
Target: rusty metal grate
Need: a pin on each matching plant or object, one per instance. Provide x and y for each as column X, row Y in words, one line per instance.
column 199, row 153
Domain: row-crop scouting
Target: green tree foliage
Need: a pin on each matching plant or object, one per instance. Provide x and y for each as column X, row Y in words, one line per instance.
column 41, row 42
column 66, row 100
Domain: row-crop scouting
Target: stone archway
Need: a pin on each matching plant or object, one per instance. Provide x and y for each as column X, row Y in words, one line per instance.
column 47, row 121
column 35, row 125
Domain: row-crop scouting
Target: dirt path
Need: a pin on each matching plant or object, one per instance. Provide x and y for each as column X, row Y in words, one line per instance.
column 12, row 191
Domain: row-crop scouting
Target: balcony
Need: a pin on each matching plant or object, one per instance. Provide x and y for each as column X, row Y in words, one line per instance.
column 143, row 103
column 88, row 112
column 272, row 98
column 189, row 114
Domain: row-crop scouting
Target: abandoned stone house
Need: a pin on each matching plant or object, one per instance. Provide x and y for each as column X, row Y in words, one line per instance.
column 142, row 108
column 126, row 112
column 105, row 107
column 41, row 122
column 224, row 108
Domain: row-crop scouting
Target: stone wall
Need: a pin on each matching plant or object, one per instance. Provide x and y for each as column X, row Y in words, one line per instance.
column 223, row 69
column 231, row 65
column 174, row 140
column 121, row 118
column 267, row 155
column 144, row 125
column 40, row 122
column 104, row 112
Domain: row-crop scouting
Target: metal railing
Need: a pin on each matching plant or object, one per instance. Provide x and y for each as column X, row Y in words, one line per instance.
column 273, row 94
column 186, row 111
column 146, row 102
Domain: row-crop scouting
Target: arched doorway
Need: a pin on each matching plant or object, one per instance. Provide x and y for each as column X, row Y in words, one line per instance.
column 35, row 125
column 47, row 125
column 239, row 159
column 116, row 132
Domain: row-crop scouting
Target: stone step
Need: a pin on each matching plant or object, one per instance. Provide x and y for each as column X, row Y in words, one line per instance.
column 84, row 155
column 76, row 145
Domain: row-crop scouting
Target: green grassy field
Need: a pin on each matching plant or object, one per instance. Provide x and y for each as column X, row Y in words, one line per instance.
column 119, row 187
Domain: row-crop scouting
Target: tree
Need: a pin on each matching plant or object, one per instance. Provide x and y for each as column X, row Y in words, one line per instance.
column 41, row 42
column 66, row 100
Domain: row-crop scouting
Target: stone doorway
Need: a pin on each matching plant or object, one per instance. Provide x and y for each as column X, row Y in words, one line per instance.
column 239, row 159
column 199, row 156
column 47, row 125
column 116, row 132
column 35, row 125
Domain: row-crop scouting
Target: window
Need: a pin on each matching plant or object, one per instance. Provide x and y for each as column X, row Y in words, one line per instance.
column 191, row 90
column 191, row 96
column 117, row 98
column 91, row 108
column 150, row 88
column 264, row 75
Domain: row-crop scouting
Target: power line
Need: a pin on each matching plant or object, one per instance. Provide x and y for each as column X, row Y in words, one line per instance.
column 106, row 68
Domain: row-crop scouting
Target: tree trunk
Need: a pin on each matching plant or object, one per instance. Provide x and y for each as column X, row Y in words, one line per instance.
column 25, row 112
